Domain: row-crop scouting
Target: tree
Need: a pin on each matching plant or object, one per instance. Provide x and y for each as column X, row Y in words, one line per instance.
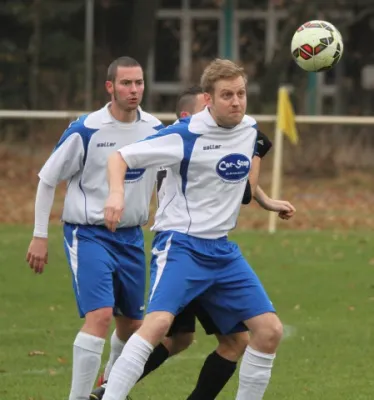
column 42, row 54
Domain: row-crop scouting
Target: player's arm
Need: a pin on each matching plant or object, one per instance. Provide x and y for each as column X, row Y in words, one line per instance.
column 254, row 174
column 165, row 148
column 37, row 253
column 284, row 208
column 263, row 145
column 64, row 162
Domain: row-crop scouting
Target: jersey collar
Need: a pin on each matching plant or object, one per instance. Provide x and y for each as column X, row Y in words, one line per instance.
column 108, row 119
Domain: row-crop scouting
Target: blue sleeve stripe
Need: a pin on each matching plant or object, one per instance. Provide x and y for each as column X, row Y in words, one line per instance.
column 188, row 145
column 161, row 132
column 189, row 141
column 78, row 127
column 179, row 128
column 159, row 127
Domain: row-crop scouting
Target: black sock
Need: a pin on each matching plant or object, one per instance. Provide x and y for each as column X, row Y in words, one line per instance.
column 159, row 355
column 214, row 375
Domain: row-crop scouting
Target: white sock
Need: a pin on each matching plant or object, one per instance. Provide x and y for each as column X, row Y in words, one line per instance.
column 128, row 368
column 87, row 352
column 254, row 374
column 116, row 347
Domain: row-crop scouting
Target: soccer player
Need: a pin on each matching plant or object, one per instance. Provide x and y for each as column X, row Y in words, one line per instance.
column 192, row 101
column 108, row 268
column 221, row 364
column 208, row 161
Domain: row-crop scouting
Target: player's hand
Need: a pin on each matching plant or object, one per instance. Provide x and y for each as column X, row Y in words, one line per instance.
column 113, row 210
column 284, row 208
column 37, row 254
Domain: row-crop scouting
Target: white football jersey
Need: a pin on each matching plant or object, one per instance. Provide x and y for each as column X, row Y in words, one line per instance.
column 81, row 157
column 207, row 170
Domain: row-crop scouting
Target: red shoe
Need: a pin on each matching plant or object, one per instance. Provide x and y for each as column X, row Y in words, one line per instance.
column 100, row 380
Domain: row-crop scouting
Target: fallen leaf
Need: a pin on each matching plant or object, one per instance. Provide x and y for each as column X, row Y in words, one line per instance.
column 297, row 307
column 37, row 353
column 61, row 360
column 52, row 372
column 351, row 308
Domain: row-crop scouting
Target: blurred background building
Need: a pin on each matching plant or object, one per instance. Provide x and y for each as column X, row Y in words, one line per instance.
column 54, row 56
column 54, row 53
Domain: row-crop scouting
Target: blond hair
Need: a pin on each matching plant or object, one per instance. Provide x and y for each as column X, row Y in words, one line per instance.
column 220, row 69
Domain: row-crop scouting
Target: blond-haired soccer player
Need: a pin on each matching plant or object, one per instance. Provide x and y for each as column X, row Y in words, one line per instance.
column 209, row 160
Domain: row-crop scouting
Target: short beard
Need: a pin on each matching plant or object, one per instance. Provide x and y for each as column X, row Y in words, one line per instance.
column 122, row 103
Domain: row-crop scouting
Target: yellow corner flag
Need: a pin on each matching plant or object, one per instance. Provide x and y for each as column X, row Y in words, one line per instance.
column 286, row 116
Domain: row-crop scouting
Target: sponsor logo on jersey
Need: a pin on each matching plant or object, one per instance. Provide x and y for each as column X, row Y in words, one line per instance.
column 233, row 167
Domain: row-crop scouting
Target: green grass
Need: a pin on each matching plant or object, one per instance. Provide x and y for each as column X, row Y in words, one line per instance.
column 322, row 284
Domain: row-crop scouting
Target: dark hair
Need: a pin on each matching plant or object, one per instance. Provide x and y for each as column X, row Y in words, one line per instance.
column 186, row 100
column 120, row 62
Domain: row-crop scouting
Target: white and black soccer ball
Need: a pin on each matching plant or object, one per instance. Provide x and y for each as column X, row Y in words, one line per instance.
column 317, row 46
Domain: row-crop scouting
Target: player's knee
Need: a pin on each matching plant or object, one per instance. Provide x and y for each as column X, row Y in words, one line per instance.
column 268, row 334
column 162, row 325
column 273, row 332
column 155, row 326
column 232, row 347
column 98, row 321
column 180, row 342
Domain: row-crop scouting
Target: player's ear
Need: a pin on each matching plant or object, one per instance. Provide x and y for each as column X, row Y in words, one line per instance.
column 109, row 86
column 208, row 99
column 184, row 114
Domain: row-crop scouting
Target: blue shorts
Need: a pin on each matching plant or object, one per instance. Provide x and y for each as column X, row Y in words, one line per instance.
column 184, row 267
column 108, row 269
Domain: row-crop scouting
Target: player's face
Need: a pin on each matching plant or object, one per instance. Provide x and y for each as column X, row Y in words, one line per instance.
column 199, row 103
column 128, row 88
column 228, row 102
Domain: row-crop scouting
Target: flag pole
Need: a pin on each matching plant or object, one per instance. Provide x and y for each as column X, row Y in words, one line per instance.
column 277, row 170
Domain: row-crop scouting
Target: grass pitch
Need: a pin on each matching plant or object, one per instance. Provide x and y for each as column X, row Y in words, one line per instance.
column 322, row 284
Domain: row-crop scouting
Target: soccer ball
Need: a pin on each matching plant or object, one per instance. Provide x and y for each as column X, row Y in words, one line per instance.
column 317, row 46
